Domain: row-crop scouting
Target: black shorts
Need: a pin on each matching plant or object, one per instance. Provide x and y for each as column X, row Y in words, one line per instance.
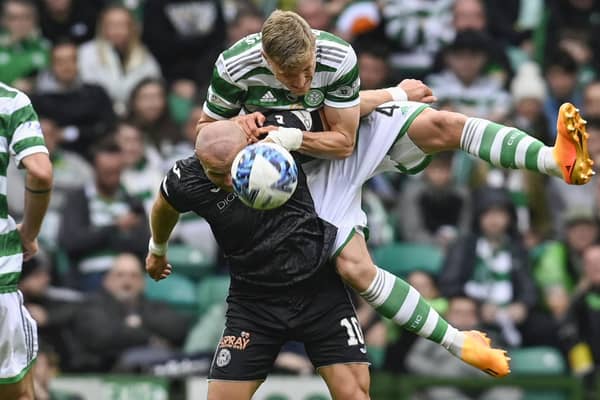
column 317, row 312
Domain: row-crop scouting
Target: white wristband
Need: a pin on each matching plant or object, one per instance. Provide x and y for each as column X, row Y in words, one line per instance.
column 397, row 93
column 158, row 249
column 288, row 138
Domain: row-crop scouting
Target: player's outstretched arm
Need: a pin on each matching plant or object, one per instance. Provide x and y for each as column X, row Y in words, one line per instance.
column 38, row 187
column 335, row 143
column 163, row 219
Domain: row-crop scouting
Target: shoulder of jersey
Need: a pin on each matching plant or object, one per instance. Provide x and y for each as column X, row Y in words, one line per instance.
column 331, row 49
column 243, row 56
column 11, row 99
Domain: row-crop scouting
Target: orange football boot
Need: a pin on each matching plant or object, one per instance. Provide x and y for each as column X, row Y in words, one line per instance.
column 478, row 352
column 570, row 149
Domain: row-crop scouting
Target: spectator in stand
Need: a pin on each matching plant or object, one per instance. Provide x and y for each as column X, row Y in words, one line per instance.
column 358, row 18
column 315, row 12
column 73, row 20
column 118, row 328
column 116, row 59
column 143, row 165
column 416, row 30
column 580, row 328
column 83, row 110
column 372, row 62
column 558, row 268
column 591, row 100
column 514, row 23
column 433, row 209
column 490, row 265
column 247, row 20
column 46, row 368
column 148, row 112
column 573, row 26
column 463, row 84
column 593, row 129
column 528, row 190
column 23, row 53
column 192, row 34
column 53, row 308
column 71, row 172
column 102, row 220
column 561, row 76
column 471, row 15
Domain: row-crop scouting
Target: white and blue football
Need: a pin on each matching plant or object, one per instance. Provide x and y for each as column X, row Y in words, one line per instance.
column 264, row 175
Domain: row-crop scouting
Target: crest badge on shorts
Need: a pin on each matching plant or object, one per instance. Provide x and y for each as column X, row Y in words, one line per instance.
column 223, row 358
column 314, row 98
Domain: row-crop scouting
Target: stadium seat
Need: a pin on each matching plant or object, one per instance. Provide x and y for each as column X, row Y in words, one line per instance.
column 401, row 258
column 177, row 290
column 211, row 290
column 189, row 261
column 538, row 361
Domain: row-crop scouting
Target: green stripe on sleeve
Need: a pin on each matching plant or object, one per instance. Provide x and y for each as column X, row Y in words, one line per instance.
column 222, row 111
column 20, row 116
column 226, row 89
column 27, row 143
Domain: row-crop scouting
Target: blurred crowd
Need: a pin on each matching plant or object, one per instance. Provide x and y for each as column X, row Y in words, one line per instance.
column 119, row 86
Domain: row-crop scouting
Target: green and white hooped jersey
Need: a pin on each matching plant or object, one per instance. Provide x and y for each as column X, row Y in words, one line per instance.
column 242, row 79
column 20, row 136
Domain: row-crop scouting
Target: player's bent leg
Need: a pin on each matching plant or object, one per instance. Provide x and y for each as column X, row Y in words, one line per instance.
column 509, row 147
column 347, row 381
column 232, row 390
column 354, row 264
column 434, row 130
column 395, row 299
column 22, row 390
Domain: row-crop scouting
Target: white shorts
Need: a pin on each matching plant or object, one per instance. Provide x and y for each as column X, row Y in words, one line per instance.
column 382, row 145
column 18, row 338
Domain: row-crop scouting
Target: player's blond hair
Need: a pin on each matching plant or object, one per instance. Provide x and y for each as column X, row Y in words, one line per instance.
column 287, row 39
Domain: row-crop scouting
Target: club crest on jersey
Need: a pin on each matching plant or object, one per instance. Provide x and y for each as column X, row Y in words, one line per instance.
column 314, row 98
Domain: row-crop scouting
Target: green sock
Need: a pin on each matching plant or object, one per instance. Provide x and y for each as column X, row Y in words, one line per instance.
column 507, row 147
column 397, row 300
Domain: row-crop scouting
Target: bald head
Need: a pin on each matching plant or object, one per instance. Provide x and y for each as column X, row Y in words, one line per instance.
column 217, row 144
column 219, row 141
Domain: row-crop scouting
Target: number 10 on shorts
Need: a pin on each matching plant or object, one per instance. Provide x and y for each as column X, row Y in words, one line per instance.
column 355, row 335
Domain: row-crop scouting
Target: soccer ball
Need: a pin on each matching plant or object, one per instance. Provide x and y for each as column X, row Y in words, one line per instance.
column 264, row 175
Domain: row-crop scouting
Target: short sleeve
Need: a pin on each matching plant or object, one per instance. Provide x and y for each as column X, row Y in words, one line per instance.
column 173, row 190
column 344, row 91
column 224, row 97
column 24, row 129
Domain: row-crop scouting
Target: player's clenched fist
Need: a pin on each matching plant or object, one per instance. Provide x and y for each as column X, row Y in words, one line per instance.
column 157, row 267
column 249, row 124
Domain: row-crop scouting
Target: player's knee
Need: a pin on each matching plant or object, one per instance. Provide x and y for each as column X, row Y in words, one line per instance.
column 355, row 270
column 447, row 129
